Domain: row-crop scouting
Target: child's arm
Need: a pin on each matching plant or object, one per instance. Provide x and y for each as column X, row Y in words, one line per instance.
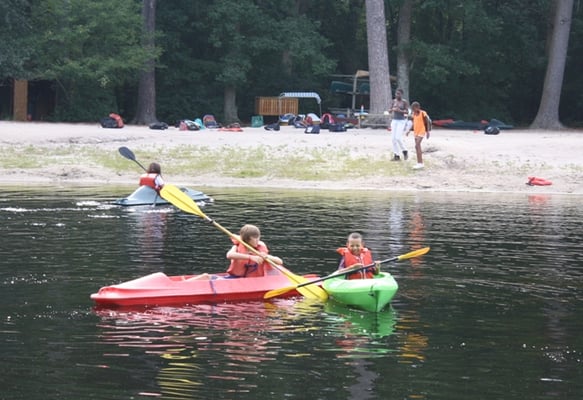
column 233, row 254
column 274, row 259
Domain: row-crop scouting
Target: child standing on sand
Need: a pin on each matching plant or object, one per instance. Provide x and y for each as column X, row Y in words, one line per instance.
column 354, row 254
column 421, row 128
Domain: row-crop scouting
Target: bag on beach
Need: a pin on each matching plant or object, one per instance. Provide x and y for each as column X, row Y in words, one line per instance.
column 313, row 129
column 272, row 127
column 112, row 121
column 159, row 126
column 188, row 125
column 491, row 130
column 337, row 127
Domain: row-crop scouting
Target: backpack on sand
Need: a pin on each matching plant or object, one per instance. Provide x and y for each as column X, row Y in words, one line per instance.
column 312, row 129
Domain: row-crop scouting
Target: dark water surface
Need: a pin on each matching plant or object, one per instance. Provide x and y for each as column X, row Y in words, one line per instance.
column 494, row 311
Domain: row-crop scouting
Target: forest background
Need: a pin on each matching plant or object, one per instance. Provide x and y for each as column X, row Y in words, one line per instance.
column 466, row 59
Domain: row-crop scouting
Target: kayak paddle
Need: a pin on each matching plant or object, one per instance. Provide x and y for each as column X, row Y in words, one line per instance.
column 127, row 153
column 345, row 271
column 175, row 196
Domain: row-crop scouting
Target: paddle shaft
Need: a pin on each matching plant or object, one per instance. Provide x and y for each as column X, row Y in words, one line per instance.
column 127, row 153
column 411, row 254
column 347, row 271
column 185, row 203
column 247, row 245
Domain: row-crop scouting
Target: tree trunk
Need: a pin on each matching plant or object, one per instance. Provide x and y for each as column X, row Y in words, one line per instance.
column 403, row 41
column 146, row 108
column 378, row 57
column 547, row 116
column 230, row 104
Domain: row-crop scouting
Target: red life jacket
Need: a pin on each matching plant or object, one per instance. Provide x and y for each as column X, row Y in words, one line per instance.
column 364, row 258
column 246, row 268
column 148, row 180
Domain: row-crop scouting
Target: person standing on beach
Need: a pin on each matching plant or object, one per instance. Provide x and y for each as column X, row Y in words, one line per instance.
column 421, row 128
column 399, row 108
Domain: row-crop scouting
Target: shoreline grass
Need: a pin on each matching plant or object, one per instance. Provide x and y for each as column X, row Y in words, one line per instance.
column 304, row 164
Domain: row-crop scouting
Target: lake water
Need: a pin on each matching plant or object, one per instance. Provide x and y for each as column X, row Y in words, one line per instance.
column 493, row 311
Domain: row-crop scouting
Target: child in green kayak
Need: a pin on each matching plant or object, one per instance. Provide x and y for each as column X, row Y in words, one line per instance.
column 355, row 254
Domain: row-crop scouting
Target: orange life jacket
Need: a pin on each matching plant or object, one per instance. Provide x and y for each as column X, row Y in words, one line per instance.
column 364, row 258
column 148, row 180
column 246, row 268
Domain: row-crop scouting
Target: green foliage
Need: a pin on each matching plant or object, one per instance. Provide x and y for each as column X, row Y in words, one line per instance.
column 88, row 40
column 471, row 59
column 478, row 60
column 84, row 101
column 14, row 30
column 90, row 48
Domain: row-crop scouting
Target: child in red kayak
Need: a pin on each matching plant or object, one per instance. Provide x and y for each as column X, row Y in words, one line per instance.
column 244, row 263
column 356, row 254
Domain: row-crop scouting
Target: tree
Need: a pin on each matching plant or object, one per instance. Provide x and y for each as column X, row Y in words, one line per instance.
column 256, row 42
column 89, row 49
column 403, row 42
column 146, row 106
column 14, row 29
column 378, row 57
column 547, row 116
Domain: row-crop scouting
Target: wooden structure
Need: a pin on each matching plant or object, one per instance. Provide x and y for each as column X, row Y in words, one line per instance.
column 20, row 100
column 275, row 106
column 374, row 120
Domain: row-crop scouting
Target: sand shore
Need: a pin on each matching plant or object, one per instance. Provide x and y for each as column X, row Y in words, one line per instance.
column 455, row 160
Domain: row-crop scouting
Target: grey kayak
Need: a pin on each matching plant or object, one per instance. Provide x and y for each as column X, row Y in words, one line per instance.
column 145, row 195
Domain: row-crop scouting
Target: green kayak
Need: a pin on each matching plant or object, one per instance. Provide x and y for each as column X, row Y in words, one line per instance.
column 367, row 294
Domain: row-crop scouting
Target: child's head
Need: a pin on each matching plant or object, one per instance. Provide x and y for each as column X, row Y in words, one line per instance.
column 154, row 168
column 399, row 93
column 355, row 243
column 415, row 106
column 250, row 234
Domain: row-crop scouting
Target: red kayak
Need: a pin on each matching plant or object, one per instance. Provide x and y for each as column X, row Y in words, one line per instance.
column 161, row 289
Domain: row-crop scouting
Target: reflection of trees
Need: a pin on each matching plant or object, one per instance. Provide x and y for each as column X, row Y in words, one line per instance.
column 417, row 238
column 414, row 343
column 544, row 223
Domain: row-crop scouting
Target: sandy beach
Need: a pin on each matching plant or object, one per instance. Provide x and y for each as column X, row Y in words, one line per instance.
column 455, row 160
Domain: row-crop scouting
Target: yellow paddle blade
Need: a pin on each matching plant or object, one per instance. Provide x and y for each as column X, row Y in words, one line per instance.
column 278, row 292
column 313, row 292
column 181, row 200
column 415, row 253
column 310, row 292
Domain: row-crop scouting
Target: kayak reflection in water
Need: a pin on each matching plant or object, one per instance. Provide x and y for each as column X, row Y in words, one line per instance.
column 245, row 264
column 355, row 253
